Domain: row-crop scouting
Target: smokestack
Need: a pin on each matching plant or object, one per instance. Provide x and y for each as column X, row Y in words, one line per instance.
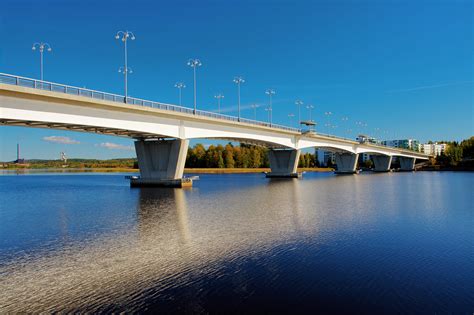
column 18, row 152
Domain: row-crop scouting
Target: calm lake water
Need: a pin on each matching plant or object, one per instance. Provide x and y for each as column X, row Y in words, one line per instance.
column 371, row 243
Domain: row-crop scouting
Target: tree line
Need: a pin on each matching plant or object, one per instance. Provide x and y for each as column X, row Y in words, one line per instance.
column 457, row 153
column 241, row 156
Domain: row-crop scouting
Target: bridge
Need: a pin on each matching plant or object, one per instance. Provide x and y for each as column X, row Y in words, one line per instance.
column 162, row 131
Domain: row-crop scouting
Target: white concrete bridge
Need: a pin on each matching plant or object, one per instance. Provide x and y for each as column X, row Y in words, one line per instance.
column 162, row 131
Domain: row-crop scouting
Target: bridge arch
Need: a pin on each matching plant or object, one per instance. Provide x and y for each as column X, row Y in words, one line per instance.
column 372, row 151
column 326, row 145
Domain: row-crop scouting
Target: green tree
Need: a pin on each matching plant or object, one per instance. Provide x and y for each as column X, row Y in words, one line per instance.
column 229, row 156
column 220, row 162
column 368, row 163
column 255, row 159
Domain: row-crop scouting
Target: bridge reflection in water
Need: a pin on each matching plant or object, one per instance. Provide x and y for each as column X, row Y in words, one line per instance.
column 170, row 240
column 247, row 237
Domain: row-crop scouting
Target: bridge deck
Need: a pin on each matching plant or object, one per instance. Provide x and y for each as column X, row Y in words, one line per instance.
column 30, row 88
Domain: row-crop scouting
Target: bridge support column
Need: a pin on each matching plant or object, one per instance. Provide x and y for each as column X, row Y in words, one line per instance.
column 382, row 163
column 346, row 163
column 406, row 163
column 161, row 163
column 284, row 163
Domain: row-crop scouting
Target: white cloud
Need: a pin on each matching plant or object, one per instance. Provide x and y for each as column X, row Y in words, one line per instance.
column 114, row 146
column 425, row 87
column 59, row 139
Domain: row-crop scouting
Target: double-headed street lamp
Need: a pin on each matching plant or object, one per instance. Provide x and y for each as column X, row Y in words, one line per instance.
column 219, row 97
column 254, row 107
column 125, row 36
column 310, row 108
column 194, row 63
column 41, row 47
column 299, row 103
column 328, row 114
column 238, row 81
column 290, row 117
column 270, row 93
column 269, row 110
column 180, row 86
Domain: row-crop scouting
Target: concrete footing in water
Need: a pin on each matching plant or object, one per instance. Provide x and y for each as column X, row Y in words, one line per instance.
column 171, row 183
column 283, row 175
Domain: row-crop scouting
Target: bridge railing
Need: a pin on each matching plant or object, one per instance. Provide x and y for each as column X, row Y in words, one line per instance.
column 72, row 90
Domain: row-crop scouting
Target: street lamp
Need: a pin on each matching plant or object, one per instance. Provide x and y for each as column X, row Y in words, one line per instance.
column 299, row 103
column 269, row 110
column 254, row 106
column 180, row 86
column 194, row 63
column 125, row 36
column 290, row 117
column 328, row 114
column 238, row 81
column 310, row 108
column 41, row 46
column 219, row 97
column 270, row 93
column 349, row 131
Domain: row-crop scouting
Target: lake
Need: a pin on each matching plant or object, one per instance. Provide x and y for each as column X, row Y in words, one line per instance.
column 238, row 243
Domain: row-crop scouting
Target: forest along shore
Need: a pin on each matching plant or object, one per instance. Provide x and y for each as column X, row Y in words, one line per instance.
column 22, row 170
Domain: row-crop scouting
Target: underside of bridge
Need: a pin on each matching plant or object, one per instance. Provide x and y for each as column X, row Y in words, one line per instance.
column 80, row 128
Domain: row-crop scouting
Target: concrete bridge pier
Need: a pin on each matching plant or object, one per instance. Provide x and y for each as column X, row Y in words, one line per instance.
column 284, row 163
column 161, row 163
column 346, row 163
column 382, row 163
column 407, row 164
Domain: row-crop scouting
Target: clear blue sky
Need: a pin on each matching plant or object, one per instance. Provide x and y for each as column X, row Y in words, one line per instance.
column 405, row 67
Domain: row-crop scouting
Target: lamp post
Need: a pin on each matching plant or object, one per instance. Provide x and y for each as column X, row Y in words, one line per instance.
column 376, row 132
column 194, row 63
column 349, row 131
column 254, row 106
column 41, row 46
column 299, row 103
column 270, row 93
column 180, row 86
column 125, row 36
column 290, row 117
column 269, row 110
column 310, row 108
column 328, row 114
column 219, row 97
column 238, row 81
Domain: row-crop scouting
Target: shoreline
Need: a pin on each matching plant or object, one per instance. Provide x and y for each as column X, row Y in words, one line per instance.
column 198, row 170
column 132, row 170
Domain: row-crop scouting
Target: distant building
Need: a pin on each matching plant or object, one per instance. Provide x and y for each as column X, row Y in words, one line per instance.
column 367, row 139
column 364, row 157
column 433, row 148
column 409, row 144
column 325, row 156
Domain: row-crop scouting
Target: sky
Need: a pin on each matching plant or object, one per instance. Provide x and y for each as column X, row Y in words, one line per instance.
column 403, row 68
